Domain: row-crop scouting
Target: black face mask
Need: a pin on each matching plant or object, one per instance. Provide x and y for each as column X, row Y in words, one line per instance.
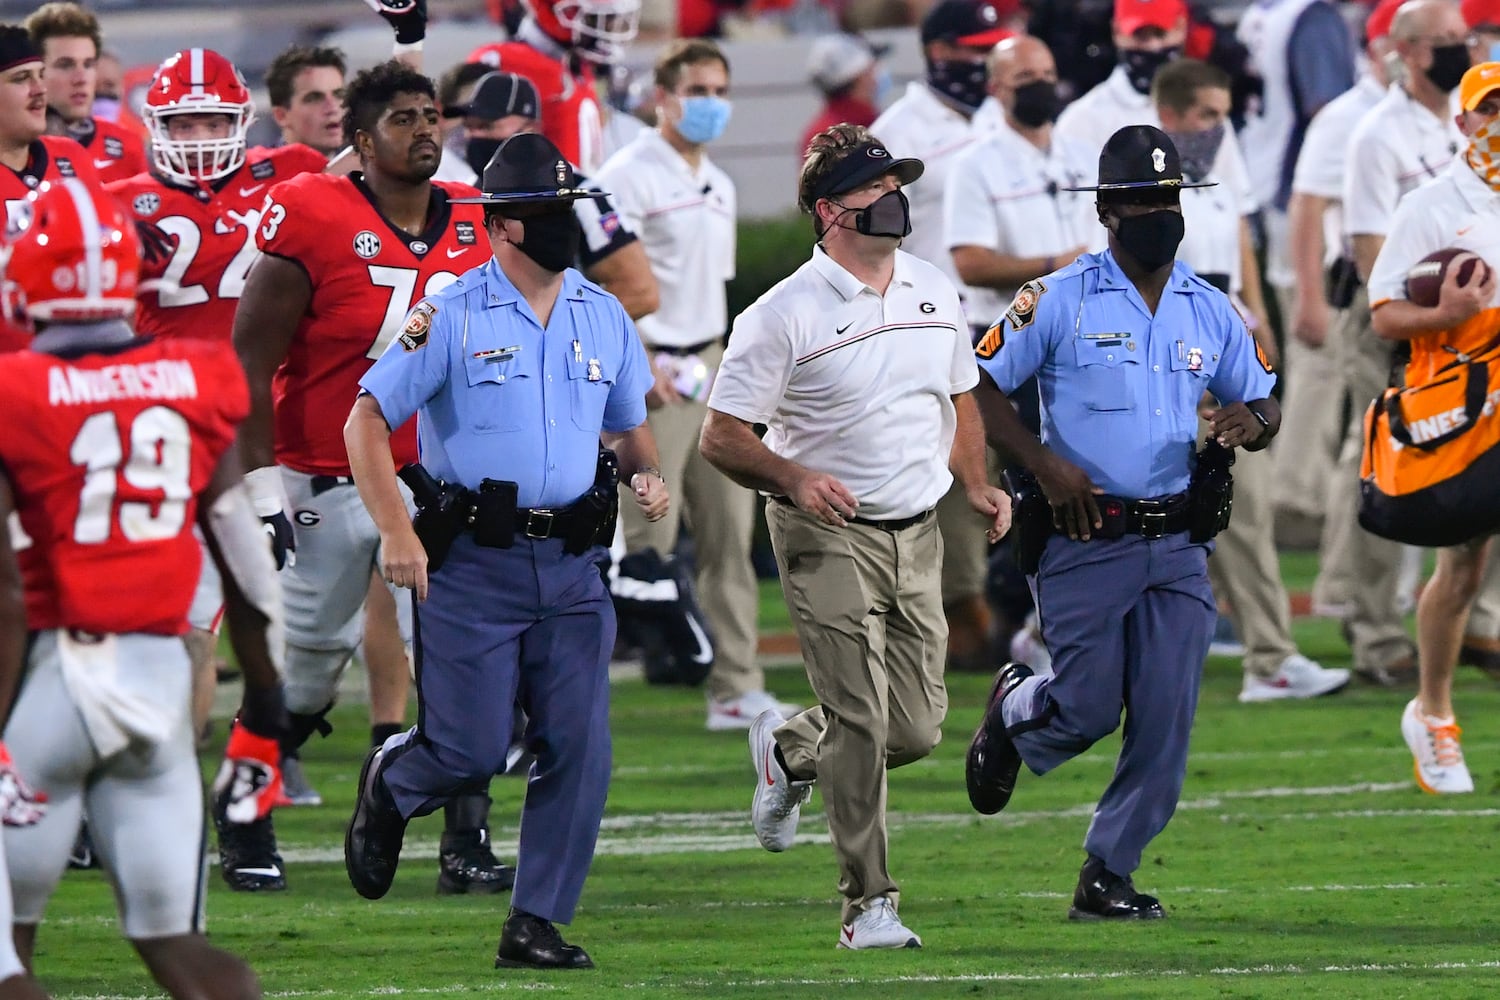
column 1141, row 66
column 1449, row 64
column 477, row 153
column 1036, row 104
column 551, row 240
column 888, row 215
column 1151, row 240
column 1198, row 150
column 959, row 80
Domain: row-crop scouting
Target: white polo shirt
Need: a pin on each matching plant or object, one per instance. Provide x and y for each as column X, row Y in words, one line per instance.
column 686, row 220
column 1456, row 209
column 921, row 125
column 1113, row 104
column 1211, row 217
column 853, row 383
column 1325, row 148
column 1396, row 146
column 1008, row 196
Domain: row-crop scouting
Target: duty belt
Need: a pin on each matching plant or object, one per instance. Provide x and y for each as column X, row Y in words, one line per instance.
column 1156, row 517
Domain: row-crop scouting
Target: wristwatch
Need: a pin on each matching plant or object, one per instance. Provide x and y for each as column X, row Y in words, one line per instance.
column 1265, row 425
column 649, row 470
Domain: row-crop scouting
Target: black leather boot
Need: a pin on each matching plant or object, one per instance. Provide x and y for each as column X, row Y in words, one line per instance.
column 529, row 942
column 465, row 861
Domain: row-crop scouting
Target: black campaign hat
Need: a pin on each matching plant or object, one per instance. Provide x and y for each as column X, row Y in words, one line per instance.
column 528, row 169
column 862, row 163
column 1140, row 158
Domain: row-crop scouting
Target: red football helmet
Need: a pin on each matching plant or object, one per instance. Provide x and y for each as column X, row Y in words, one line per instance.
column 69, row 253
column 194, row 82
column 598, row 30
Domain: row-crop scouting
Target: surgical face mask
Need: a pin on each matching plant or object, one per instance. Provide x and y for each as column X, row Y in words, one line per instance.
column 1449, row 64
column 107, row 108
column 1198, row 150
column 959, row 80
column 477, row 153
column 1036, row 103
column 1151, row 240
column 703, row 118
column 1141, row 65
column 551, row 239
column 889, row 215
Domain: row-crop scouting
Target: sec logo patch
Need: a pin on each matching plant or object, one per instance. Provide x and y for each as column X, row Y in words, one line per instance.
column 366, row 244
column 146, row 203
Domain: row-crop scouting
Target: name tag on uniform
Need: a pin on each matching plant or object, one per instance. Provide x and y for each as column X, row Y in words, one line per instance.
column 1104, row 339
column 497, row 355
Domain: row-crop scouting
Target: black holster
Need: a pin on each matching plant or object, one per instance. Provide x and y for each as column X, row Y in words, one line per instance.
column 495, row 514
column 1340, row 283
column 1031, row 518
column 443, row 510
column 1211, row 492
column 598, row 509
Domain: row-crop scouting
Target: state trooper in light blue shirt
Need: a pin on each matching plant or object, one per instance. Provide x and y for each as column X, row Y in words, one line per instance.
column 1124, row 345
column 514, row 372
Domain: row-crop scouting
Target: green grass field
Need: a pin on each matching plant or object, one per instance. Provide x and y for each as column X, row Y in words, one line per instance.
column 1303, row 862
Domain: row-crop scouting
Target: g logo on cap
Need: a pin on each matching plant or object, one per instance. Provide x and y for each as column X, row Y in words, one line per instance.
column 877, row 153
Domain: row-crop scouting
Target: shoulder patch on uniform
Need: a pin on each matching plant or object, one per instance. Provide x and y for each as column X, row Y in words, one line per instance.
column 464, row 233
column 989, row 345
column 1260, row 355
column 260, row 171
column 1023, row 307
column 414, row 333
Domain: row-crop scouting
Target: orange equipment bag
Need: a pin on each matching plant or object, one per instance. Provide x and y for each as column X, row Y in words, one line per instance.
column 1430, row 472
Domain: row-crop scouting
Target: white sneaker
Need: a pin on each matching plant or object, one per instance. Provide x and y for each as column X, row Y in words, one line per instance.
column 1297, row 677
column 1438, row 760
column 778, row 800
column 1027, row 647
column 739, row 713
column 878, row 927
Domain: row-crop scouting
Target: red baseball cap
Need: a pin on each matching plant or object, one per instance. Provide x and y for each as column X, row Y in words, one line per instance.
column 1133, row 15
column 1479, row 13
column 975, row 23
column 1378, row 25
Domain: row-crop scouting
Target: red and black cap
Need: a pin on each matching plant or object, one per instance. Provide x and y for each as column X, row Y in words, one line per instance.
column 974, row 23
column 861, row 164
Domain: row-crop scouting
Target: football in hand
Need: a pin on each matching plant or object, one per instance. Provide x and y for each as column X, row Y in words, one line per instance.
column 1425, row 279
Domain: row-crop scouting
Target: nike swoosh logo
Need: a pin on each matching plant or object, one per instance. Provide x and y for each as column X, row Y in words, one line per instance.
column 843, row 328
column 848, row 933
column 269, row 872
column 705, row 653
column 770, row 781
column 247, row 192
column 103, row 164
column 1465, row 229
column 454, row 253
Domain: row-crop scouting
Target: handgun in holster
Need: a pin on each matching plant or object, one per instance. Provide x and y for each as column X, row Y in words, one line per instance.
column 1031, row 518
column 443, row 510
column 1211, row 492
column 597, row 509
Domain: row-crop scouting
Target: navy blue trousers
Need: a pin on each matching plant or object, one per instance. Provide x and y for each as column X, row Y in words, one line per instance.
column 531, row 626
column 1128, row 623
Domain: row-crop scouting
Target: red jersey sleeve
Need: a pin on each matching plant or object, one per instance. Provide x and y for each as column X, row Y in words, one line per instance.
column 289, row 225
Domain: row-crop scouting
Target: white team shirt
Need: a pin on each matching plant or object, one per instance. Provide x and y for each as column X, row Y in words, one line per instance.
column 1008, row 196
column 1456, row 209
column 1113, row 104
column 1396, row 146
column 921, row 125
column 853, row 383
column 1211, row 217
column 1325, row 147
column 686, row 220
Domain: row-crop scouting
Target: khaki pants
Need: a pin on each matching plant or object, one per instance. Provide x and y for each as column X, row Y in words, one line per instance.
column 1245, row 570
column 868, row 608
column 1353, row 562
column 721, row 514
column 1312, row 407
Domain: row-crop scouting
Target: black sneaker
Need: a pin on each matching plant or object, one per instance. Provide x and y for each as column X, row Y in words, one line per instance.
column 372, row 844
column 466, row 864
column 994, row 762
column 1103, row 895
column 82, row 856
column 247, row 855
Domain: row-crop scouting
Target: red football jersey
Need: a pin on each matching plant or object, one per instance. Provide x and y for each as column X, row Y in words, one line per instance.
column 117, row 447
column 215, row 232
column 116, row 152
column 366, row 276
column 570, row 110
column 52, row 158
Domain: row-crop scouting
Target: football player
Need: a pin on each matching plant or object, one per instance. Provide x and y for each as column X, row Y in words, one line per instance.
column 343, row 260
column 128, row 447
column 544, row 48
column 69, row 39
column 200, row 206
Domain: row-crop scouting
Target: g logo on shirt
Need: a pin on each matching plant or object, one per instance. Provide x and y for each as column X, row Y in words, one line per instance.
column 928, row 308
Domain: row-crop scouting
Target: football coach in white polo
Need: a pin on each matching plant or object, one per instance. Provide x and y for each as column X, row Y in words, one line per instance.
column 861, row 366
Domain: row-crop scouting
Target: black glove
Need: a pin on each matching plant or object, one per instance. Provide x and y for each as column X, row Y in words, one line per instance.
column 407, row 17
column 157, row 246
column 283, row 542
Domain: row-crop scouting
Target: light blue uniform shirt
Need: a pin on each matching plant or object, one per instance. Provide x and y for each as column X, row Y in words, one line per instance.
column 1120, row 387
column 499, row 397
